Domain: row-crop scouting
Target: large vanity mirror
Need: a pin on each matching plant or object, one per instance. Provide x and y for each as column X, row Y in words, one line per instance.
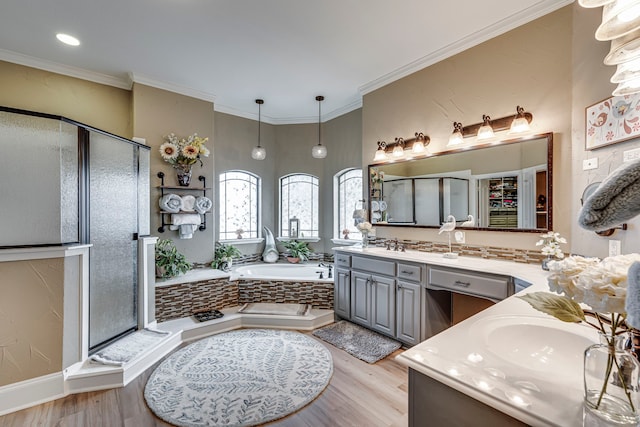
column 501, row 186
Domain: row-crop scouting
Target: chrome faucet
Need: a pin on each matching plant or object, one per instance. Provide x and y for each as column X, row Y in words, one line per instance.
column 396, row 245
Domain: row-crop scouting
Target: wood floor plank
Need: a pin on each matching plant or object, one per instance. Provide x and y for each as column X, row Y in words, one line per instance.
column 359, row 394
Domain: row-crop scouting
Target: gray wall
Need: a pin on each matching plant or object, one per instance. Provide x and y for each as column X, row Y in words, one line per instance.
column 289, row 151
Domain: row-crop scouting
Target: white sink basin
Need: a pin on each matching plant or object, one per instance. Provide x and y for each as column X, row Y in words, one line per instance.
column 537, row 345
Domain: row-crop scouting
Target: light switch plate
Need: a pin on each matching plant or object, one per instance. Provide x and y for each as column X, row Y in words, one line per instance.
column 614, row 247
column 590, row 164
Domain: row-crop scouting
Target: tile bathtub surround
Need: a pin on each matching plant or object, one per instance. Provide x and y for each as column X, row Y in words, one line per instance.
column 318, row 294
column 185, row 299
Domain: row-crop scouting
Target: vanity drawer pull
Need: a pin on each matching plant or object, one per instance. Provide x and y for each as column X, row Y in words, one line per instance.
column 462, row 284
column 406, row 272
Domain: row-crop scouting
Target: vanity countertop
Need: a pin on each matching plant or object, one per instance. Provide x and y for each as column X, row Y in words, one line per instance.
column 510, row 356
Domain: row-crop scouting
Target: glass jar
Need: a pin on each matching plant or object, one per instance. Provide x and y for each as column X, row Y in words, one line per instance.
column 611, row 375
column 365, row 239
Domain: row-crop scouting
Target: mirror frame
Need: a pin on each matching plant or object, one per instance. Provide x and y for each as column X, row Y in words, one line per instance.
column 547, row 135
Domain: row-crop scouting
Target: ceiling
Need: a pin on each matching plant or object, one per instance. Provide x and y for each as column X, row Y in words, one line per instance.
column 234, row 51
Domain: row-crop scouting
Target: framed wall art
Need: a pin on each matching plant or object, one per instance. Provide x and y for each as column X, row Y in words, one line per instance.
column 612, row 120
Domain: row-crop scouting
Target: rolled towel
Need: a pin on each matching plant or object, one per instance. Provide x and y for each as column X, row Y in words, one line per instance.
column 171, row 203
column 182, row 219
column 632, row 302
column 203, row 204
column 615, row 201
column 188, row 203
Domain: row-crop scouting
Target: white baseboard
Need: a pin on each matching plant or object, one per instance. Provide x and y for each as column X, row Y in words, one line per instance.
column 84, row 377
column 24, row 394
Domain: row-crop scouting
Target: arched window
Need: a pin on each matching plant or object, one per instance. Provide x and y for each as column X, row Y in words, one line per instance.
column 347, row 197
column 239, row 210
column 299, row 206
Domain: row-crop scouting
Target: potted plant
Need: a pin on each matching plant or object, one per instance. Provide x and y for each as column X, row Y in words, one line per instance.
column 169, row 262
column 297, row 251
column 223, row 256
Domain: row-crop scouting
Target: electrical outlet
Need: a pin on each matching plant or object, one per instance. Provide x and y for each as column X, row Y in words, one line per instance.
column 590, row 164
column 631, row 155
column 614, row 247
column 459, row 236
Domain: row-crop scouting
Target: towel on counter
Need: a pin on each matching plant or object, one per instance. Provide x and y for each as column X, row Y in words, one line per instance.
column 171, row 203
column 203, row 204
column 632, row 302
column 615, row 201
column 188, row 203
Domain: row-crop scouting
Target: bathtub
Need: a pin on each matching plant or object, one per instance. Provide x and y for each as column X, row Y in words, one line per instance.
column 308, row 272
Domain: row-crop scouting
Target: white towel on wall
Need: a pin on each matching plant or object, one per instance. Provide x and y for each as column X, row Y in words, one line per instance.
column 184, row 219
column 185, row 231
column 188, row 203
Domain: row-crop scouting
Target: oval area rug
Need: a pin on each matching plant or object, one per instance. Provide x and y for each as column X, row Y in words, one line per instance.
column 239, row 378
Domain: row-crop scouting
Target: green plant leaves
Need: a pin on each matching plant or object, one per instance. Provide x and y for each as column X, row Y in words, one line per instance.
column 558, row 306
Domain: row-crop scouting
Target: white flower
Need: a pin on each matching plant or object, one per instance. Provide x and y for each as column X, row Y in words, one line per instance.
column 602, row 285
column 550, row 243
column 364, row 226
column 168, row 151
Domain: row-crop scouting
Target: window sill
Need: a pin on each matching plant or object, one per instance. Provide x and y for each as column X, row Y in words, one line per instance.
column 243, row 241
column 346, row 242
column 300, row 239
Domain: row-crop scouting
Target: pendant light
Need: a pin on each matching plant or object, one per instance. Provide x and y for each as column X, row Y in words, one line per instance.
column 259, row 153
column 319, row 151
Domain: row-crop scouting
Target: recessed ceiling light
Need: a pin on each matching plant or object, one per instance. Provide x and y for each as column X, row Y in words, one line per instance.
column 67, row 39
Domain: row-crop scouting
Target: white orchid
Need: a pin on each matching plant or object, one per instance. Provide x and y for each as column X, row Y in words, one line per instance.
column 550, row 243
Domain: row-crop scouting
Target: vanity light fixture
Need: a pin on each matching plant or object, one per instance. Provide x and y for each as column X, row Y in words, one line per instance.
column 419, row 145
column 520, row 123
column 67, row 39
column 398, row 149
column 381, row 154
column 456, row 137
column 259, row 153
column 486, row 131
column 319, row 151
column 619, row 18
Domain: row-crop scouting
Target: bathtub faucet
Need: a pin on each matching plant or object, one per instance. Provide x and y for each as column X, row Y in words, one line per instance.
column 329, row 266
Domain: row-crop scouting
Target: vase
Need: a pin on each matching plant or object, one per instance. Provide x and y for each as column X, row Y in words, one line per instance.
column 184, row 177
column 293, row 260
column 365, row 240
column 546, row 261
column 611, row 374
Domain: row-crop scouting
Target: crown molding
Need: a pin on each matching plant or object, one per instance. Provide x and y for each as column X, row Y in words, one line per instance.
column 66, row 70
column 534, row 12
column 170, row 87
column 354, row 104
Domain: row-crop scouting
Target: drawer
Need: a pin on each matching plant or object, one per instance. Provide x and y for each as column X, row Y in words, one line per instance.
column 410, row 272
column 374, row 265
column 342, row 260
column 469, row 283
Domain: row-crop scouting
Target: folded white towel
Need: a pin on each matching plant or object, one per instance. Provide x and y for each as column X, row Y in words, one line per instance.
column 171, row 203
column 203, row 204
column 188, row 203
column 185, row 231
column 183, row 219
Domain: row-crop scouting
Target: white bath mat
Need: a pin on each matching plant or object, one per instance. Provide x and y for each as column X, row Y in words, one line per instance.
column 284, row 309
column 129, row 347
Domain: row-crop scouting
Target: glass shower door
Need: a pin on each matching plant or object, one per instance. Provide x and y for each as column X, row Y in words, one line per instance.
column 113, row 213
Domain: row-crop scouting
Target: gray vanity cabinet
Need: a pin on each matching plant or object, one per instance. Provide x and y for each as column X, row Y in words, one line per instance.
column 342, row 293
column 361, row 298
column 373, row 301
column 408, row 312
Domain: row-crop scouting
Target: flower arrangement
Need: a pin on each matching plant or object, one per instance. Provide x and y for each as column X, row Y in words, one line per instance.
column 183, row 153
column 377, row 176
column 364, row 227
column 602, row 285
column 550, row 243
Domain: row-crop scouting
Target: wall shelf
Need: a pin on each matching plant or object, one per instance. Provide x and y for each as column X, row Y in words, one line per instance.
column 163, row 188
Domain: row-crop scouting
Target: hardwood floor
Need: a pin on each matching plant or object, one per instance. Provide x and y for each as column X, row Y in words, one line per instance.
column 359, row 394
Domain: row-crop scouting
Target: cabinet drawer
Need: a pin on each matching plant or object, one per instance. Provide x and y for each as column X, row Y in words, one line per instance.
column 410, row 272
column 476, row 284
column 342, row 260
column 374, row 265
